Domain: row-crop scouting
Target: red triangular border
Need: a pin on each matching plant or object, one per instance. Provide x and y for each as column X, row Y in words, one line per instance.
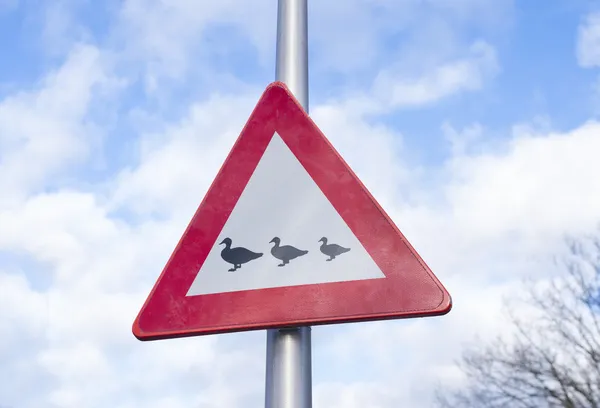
column 410, row 289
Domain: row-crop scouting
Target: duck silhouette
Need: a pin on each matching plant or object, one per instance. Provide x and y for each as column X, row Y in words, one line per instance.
column 285, row 253
column 331, row 250
column 237, row 256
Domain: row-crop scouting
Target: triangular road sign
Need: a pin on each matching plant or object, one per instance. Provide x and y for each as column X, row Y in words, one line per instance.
column 262, row 249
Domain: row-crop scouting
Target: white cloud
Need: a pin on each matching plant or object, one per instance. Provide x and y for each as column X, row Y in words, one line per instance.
column 177, row 165
column 360, row 36
column 45, row 130
column 61, row 27
column 588, row 41
column 465, row 74
column 596, row 96
column 535, row 186
column 362, row 144
column 461, row 141
column 171, row 39
column 504, row 209
column 365, row 34
column 25, row 320
column 79, row 330
column 359, row 394
column 394, row 89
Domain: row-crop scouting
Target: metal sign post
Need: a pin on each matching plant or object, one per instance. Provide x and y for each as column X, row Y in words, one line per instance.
column 188, row 300
column 289, row 368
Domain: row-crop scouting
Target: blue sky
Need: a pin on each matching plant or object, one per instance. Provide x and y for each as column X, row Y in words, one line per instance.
column 535, row 46
column 473, row 122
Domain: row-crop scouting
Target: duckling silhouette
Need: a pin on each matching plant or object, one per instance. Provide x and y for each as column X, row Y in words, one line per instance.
column 331, row 250
column 237, row 256
column 285, row 253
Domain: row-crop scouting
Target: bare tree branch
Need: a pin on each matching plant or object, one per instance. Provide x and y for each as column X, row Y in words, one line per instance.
column 552, row 361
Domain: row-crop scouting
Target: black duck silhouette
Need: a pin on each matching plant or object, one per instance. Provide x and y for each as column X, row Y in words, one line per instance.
column 331, row 250
column 237, row 256
column 285, row 253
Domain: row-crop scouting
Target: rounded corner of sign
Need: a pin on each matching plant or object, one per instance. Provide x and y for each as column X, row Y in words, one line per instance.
column 137, row 331
column 445, row 305
column 276, row 85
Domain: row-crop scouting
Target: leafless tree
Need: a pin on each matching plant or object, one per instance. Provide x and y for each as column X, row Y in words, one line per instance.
column 551, row 358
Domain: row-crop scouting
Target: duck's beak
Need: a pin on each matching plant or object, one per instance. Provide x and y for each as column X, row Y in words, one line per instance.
column 271, row 241
column 222, row 242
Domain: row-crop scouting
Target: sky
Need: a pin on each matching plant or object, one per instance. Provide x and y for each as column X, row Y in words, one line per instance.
column 474, row 123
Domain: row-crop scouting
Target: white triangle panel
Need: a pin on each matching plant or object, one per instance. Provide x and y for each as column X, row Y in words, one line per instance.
column 281, row 200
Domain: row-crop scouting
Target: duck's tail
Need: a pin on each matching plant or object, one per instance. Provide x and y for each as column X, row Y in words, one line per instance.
column 344, row 250
column 257, row 255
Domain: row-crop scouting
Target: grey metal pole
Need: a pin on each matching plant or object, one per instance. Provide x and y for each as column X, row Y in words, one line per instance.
column 289, row 367
column 291, row 66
